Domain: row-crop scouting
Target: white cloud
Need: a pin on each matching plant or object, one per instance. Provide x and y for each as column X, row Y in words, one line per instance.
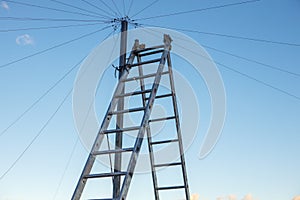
column 4, row 5
column 24, row 40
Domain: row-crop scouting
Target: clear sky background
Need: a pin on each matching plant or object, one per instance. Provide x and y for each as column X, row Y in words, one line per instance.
column 257, row 156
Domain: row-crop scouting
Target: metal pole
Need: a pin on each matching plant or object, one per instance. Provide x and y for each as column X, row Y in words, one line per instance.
column 119, row 125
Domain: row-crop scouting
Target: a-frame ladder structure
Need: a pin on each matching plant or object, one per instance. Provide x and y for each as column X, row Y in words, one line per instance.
column 138, row 59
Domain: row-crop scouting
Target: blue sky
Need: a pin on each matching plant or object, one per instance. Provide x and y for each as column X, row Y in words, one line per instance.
column 257, row 153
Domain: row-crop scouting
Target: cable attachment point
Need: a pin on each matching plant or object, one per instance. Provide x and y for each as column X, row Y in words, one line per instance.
column 119, row 69
column 116, row 69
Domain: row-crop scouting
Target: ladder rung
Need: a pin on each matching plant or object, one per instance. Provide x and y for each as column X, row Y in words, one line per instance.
column 149, row 48
column 168, row 164
column 145, row 76
column 151, row 53
column 132, row 128
column 103, row 175
column 171, row 187
column 162, row 119
column 112, row 151
column 161, row 96
column 102, row 199
column 128, row 110
column 133, row 93
column 164, row 141
column 145, row 62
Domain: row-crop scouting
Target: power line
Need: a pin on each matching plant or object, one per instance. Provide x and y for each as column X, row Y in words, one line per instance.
column 66, row 167
column 44, row 126
column 107, row 137
column 51, row 19
column 97, row 7
column 53, row 47
column 243, row 38
column 36, row 136
column 82, row 9
column 124, row 9
column 259, row 81
column 197, row 10
column 83, row 125
column 253, row 61
column 107, row 6
column 228, row 36
column 80, row 130
column 116, row 7
column 236, row 71
column 146, row 7
column 251, row 77
column 50, row 27
column 40, row 98
column 44, row 94
column 73, row 150
column 130, row 6
column 53, row 9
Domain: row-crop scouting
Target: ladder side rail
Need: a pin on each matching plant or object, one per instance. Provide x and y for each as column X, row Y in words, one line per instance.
column 178, row 128
column 149, row 135
column 105, row 123
column 144, row 124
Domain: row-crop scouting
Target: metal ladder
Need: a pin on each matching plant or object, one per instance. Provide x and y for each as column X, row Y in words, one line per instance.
column 148, row 98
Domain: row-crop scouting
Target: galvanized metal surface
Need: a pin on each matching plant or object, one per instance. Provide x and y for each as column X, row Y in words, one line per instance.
column 149, row 135
column 178, row 128
column 120, row 191
column 91, row 159
column 120, row 118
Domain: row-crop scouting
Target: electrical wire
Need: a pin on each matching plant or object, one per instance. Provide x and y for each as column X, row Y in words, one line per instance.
column 66, row 168
column 226, row 35
column 253, row 61
column 53, row 47
column 107, row 6
column 116, row 7
column 259, row 81
column 107, row 137
column 36, row 136
column 97, row 7
column 49, row 27
column 40, row 98
column 130, row 6
column 146, row 7
column 241, row 57
column 197, row 10
column 77, row 139
column 44, row 126
column 51, row 19
column 81, row 9
column 53, row 9
column 249, row 77
column 236, row 71
column 124, row 8
column 243, row 38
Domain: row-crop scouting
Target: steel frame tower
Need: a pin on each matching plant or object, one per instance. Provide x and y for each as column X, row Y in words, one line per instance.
column 116, row 109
